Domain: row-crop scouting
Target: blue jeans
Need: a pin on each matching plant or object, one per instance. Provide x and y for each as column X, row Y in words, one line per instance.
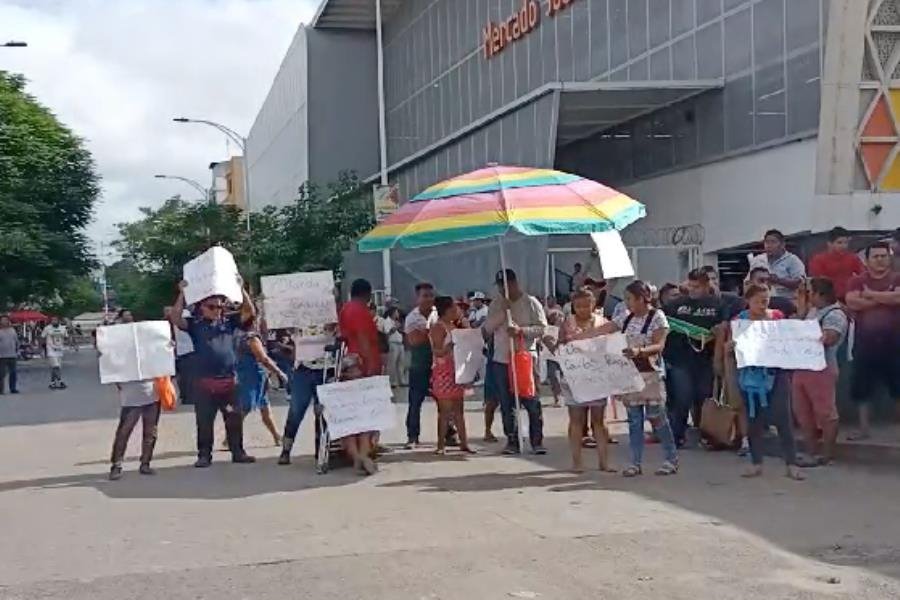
column 688, row 386
column 419, row 382
column 500, row 377
column 660, row 422
column 303, row 391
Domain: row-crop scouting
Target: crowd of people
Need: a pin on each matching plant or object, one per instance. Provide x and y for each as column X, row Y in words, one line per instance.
column 678, row 338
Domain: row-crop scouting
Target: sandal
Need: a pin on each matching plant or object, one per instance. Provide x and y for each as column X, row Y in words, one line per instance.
column 808, row 462
column 467, row 450
column 667, row 468
column 752, row 472
column 632, row 471
column 440, row 451
column 794, row 473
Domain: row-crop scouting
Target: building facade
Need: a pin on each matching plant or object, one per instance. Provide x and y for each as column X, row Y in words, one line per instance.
column 724, row 117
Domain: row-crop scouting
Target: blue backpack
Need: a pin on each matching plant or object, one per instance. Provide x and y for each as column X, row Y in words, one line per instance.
column 756, row 383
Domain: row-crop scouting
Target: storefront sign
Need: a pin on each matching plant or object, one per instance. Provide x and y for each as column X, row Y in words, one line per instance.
column 498, row 36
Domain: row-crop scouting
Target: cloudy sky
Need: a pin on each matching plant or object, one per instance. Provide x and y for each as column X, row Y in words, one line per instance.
column 117, row 71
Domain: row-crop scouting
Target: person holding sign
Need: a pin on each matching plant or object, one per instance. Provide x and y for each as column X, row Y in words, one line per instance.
column 447, row 393
column 139, row 403
column 213, row 334
column 646, row 329
column 358, row 329
column 585, row 323
column 766, row 393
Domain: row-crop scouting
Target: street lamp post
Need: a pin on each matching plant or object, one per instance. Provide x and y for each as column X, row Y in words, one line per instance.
column 205, row 193
column 241, row 141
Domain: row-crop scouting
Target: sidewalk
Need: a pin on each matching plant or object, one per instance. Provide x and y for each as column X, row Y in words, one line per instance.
column 883, row 448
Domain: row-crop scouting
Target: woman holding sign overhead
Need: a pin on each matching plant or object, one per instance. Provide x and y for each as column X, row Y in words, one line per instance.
column 584, row 323
column 447, row 393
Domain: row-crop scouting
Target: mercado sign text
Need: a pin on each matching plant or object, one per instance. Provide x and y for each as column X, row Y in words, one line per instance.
column 498, row 36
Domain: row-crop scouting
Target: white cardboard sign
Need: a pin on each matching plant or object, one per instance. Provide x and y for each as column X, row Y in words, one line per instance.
column 468, row 354
column 135, row 351
column 596, row 368
column 357, row 406
column 299, row 299
column 213, row 273
column 614, row 258
column 784, row 344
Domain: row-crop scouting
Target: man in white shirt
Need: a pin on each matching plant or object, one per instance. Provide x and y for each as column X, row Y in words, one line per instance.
column 54, row 336
column 416, row 327
column 528, row 321
column 479, row 311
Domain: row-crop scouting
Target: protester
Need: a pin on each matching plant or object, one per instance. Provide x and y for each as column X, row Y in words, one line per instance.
column 668, row 293
column 787, row 270
column 9, row 354
column 578, row 278
column 308, row 374
column 213, row 334
column 55, row 335
column 515, row 316
column 478, row 312
column 185, row 358
column 281, row 348
column 584, row 324
column 418, row 322
column 139, row 401
column 814, row 393
column 766, row 394
column 689, row 363
column 732, row 304
column 760, row 276
column 874, row 297
column 392, row 327
column 252, row 382
column 448, row 394
column 358, row 329
column 838, row 263
column 556, row 317
column 646, row 330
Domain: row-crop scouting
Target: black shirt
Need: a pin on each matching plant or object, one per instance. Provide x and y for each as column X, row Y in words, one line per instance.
column 706, row 312
column 214, row 345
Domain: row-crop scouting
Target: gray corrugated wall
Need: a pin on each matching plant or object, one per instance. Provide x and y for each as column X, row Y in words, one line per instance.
column 343, row 104
column 769, row 52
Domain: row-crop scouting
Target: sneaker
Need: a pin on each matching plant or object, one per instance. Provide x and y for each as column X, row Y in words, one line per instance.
column 490, row 438
column 204, row 462
column 284, row 459
column 411, row 445
column 14, row 391
column 62, row 385
column 539, row 450
column 146, row 469
column 115, row 473
column 243, row 459
column 511, row 449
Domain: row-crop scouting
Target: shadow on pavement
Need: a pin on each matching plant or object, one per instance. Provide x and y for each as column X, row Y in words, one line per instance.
column 820, row 518
column 223, row 481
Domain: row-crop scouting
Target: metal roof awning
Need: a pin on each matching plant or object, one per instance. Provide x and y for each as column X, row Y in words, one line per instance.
column 351, row 14
column 589, row 108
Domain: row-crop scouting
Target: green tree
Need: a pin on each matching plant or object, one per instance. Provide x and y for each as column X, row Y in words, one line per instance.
column 311, row 233
column 48, row 187
column 80, row 295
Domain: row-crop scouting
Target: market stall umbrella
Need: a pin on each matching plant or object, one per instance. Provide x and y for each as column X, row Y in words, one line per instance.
column 492, row 201
column 28, row 316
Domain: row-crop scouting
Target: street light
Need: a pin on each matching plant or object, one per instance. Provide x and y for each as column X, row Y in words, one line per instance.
column 205, row 193
column 14, row 44
column 241, row 141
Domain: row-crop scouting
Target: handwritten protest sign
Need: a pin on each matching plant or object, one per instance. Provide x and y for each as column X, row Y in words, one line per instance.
column 614, row 259
column 299, row 299
column 310, row 348
column 135, row 351
column 357, row 406
column 213, row 273
column 785, row 344
column 595, row 368
column 468, row 354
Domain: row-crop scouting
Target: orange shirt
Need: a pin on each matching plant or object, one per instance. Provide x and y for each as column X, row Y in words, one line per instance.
column 839, row 267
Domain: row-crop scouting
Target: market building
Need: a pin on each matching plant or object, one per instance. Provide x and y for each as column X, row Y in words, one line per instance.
column 724, row 117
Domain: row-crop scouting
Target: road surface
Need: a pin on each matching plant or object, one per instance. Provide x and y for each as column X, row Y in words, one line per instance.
column 487, row 527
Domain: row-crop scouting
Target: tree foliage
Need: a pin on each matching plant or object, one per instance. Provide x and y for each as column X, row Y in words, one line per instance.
column 48, row 187
column 310, row 233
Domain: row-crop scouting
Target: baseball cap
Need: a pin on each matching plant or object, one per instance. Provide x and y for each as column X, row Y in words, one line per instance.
column 510, row 275
column 478, row 296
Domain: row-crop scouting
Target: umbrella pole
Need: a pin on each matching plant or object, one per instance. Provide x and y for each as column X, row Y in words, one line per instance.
column 512, row 351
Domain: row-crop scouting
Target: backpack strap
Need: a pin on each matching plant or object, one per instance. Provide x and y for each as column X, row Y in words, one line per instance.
column 648, row 321
column 627, row 322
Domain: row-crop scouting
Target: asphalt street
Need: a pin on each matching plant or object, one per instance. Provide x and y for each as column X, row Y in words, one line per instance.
column 486, row 527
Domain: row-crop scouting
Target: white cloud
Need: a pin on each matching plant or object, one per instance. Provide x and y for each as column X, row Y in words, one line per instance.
column 117, row 72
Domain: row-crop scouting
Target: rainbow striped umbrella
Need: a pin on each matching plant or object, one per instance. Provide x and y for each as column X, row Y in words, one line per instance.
column 492, row 201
